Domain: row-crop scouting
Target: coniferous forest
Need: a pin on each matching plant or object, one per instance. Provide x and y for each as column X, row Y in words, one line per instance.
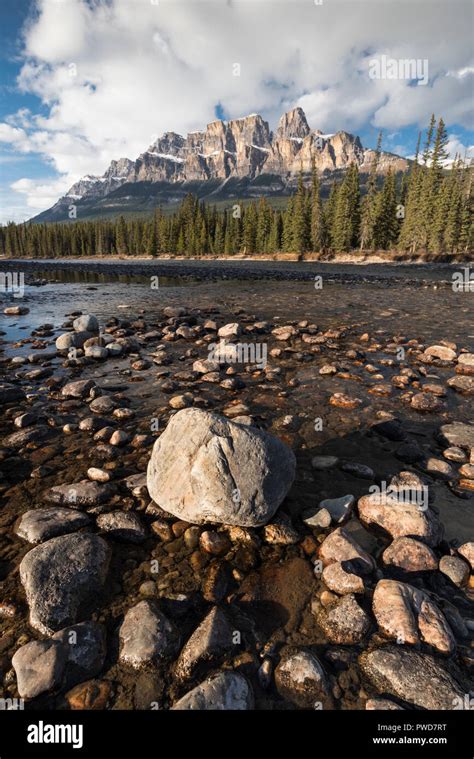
column 428, row 209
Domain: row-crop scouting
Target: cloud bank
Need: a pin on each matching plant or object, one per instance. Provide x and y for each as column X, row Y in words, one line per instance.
column 114, row 74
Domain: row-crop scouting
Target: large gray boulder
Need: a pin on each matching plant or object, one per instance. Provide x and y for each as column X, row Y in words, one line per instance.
column 205, row 468
column 62, row 579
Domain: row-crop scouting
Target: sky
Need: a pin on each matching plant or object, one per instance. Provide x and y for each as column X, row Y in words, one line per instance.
column 85, row 81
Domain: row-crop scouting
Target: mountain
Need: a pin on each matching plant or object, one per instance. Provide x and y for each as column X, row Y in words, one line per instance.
column 228, row 160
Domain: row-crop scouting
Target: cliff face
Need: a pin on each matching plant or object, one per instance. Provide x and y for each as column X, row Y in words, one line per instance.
column 241, row 148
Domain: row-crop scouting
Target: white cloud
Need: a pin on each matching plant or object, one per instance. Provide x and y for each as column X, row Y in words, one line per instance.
column 115, row 74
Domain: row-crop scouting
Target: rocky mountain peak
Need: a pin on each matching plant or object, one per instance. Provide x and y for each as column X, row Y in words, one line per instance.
column 293, row 125
column 242, row 148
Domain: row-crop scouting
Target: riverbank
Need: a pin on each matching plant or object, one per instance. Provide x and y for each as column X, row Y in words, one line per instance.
column 250, row 269
column 349, row 380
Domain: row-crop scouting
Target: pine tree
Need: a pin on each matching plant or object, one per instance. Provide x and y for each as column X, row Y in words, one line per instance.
column 121, row 241
column 300, row 241
column 318, row 232
column 369, row 205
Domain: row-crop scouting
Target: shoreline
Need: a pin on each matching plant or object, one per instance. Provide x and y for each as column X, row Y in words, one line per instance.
column 415, row 273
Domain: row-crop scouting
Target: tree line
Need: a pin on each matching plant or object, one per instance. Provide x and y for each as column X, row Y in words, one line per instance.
column 428, row 209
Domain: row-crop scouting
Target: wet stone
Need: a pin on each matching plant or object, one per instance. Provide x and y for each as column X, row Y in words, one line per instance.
column 301, row 679
column 146, row 635
column 63, row 578
column 39, row 525
column 416, row 678
column 39, row 667
column 221, row 692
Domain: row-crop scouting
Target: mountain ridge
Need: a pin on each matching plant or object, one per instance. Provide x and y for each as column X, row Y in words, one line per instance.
column 243, row 150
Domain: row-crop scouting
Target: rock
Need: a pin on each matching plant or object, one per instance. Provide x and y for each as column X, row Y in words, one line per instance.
column 83, row 493
column 84, row 647
column 300, row 679
column 383, row 704
column 97, row 352
column 280, row 532
column 458, row 434
column 410, row 556
column 344, row 623
column 146, row 635
column 62, row 578
column 341, row 400
column 409, row 453
column 456, row 569
column 399, row 518
column 409, row 616
column 390, row 429
column 207, row 468
column 465, row 363
column 214, row 543
column 39, row 667
column 205, row 366
column 340, row 581
column 78, row 389
column 411, row 676
column 122, row 525
column 91, row 695
column 35, row 434
column 16, row 310
column 361, row 471
column 181, row 401
column 455, row 454
column 426, row 402
column 221, row 692
column 69, row 340
column 98, row 475
column 86, row 323
column 467, row 470
column 216, row 582
column 104, row 404
column 341, row 547
column 467, row 552
column 228, row 331
column 462, row 384
column 340, row 509
column 439, row 468
column 317, row 518
column 10, row 393
column 440, row 352
column 322, row 463
column 210, row 641
column 39, row 525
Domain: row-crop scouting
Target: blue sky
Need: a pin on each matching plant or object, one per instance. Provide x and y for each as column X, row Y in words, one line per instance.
column 86, row 81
